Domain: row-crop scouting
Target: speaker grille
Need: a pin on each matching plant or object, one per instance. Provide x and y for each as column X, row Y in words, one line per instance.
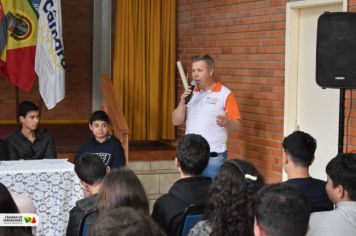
column 336, row 50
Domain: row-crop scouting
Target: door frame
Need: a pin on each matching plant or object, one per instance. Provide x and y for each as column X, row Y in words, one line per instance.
column 291, row 57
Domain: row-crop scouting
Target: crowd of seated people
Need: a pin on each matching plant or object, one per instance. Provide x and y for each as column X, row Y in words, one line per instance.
column 235, row 202
column 113, row 190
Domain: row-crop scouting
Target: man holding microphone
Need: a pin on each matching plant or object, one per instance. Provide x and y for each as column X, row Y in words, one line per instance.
column 211, row 111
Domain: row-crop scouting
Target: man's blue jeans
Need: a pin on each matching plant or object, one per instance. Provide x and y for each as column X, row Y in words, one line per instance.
column 214, row 164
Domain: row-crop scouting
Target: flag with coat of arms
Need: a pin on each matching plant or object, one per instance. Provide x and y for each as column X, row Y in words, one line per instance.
column 18, row 33
column 31, row 43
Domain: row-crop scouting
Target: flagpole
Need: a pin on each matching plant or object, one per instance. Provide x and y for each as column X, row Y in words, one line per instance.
column 17, row 107
column 40, row 105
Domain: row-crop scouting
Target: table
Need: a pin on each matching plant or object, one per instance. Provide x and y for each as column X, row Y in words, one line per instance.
column 53, row 186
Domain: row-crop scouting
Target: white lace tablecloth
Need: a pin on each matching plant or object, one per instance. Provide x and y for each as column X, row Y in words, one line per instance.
column 53, row 186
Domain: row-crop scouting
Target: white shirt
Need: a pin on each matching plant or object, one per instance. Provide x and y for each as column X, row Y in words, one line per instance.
column 202, row 111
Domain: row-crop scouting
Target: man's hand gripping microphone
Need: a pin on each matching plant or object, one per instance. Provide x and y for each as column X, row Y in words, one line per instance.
column 192, row 86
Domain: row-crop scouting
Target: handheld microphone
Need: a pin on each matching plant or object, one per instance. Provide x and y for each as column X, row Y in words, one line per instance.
column 192, row 86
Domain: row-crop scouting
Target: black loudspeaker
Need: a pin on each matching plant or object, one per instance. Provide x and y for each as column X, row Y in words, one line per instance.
column 336, row 50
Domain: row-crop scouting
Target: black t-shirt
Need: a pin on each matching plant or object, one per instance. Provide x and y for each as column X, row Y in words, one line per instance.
column 315, row 192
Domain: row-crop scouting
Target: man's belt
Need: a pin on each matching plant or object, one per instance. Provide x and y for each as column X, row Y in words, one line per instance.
column 214, row 154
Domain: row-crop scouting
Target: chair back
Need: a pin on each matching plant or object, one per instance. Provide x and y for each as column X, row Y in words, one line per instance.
column 192, row 215
column 86, row 223
column 3, row 151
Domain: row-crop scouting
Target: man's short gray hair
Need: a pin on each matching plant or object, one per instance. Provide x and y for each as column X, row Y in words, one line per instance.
column 207, row 58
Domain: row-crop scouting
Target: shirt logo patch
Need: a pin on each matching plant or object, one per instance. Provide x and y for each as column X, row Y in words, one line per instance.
column 105, row 157
column 210, row 100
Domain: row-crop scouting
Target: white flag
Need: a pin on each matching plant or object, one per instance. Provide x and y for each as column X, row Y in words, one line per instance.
column 50, row 63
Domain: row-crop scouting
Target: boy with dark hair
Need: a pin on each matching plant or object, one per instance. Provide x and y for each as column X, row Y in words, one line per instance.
column 281, row 210
column 191, row 154
column 341, row 188
column 108, row 147
column 29, row 142
column 91, row 171
column 299, row 148
column 192, row 158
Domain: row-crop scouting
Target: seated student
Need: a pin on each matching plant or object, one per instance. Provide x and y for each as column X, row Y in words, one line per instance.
column 192, row 158
column 106, row 146
column 125, row 221
column 29, row 142
column 299, row 149
column 7, row 205
column 91, row 172
column 281, row 210
column 341, row 188
column 121, row 188
column 229, row 210
column 3, row 151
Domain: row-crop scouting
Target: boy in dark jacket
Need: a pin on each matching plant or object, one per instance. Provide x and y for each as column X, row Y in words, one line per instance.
column 192, row 153
column 91, row 172
column 29, row 142
column 104, row 145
